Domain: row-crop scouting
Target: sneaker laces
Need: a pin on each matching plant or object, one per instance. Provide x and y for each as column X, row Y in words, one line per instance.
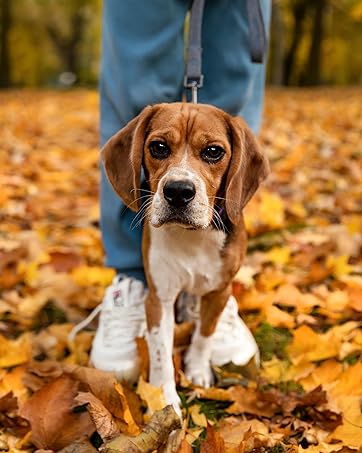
column 84, row 323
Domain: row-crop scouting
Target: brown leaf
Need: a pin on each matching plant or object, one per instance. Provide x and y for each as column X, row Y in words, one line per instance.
column 185, row 447
column 8, row 402
column 39, row 373
column 103, row 420
column 214, row 443
column 64, row 260
column 248, row 400
column 101, row 384
column 11, row 255
column 289, row 401
column 54, row 425
column 9, row 417
column 233, row 430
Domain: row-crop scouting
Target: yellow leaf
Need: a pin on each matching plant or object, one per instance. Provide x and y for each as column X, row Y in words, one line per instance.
column 274, row 369
column 12, row 381
column 198, row 418
column 349, row 383
column 132, row 427
column 272, row 210
column 31, row 270
column 308, row 346
column 92, row 275
column 337, row 300
column 193, row 434
column 277, row 317
column 15, row 352
column 327, row 373
column 322, row 447
column 153, row 396
column 339, row 265
column 278, row 255
column 297, row 209
column 350, row 432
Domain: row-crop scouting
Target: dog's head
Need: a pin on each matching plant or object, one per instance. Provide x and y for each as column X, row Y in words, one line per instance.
column 194, row 158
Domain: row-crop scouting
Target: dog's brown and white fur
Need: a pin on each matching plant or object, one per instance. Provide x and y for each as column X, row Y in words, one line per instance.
column 202, row 167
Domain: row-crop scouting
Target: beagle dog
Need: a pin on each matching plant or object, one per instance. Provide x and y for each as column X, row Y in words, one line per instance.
column 202, row 167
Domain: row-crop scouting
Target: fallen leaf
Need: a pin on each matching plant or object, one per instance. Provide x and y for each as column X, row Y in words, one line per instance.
column 151, row 395
column 308, row 346
column 103, row 420
column 132, row 427
column 92, row 275
column 15, row 352
column 53, row 423
column 213, row 443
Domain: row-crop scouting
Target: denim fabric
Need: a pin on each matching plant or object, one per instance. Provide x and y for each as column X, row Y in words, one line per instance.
column 143, row 63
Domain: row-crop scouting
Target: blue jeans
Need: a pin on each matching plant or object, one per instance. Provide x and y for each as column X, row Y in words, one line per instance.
column 143, row 63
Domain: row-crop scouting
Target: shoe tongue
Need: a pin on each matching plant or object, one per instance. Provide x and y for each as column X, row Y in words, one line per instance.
column 119, row 298
column 127, row 294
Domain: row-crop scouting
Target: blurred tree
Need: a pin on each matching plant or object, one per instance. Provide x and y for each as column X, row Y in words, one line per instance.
column 318, row 41
column 312, row 42
column 299, row 10
column 277, row 44
column 312, row 74
column 51, row 37
column 5, row 26
column 67, row 40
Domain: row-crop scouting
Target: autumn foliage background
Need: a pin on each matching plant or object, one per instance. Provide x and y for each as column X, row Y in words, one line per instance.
column 300, row 290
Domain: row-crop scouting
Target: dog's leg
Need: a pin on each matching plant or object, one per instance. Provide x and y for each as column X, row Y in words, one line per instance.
column 160, row 322
column 197, row 359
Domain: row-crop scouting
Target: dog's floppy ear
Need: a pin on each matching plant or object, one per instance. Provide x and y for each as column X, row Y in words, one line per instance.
column 122, row 158
column 248, row 167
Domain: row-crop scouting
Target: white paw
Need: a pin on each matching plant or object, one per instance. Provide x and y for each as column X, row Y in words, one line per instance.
column 202, row 377
column 171, row 397
column 198, row 371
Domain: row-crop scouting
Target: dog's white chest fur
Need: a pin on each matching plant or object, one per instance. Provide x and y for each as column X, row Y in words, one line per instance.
column 185, row 260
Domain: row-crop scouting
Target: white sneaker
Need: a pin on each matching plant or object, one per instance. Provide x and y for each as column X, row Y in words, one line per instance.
column 122, row 319
column 232, row 340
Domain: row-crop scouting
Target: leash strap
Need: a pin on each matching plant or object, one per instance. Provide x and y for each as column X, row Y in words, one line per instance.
column 194, row 78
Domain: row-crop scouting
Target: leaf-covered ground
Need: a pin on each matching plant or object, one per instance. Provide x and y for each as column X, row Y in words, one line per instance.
column 300, row 290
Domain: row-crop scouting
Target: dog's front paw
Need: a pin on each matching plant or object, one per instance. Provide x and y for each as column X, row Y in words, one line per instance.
column 171, row 397
column 198, row 371
column 202, row 377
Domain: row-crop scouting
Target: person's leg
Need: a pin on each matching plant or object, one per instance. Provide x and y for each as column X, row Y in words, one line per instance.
column 142, row 63
column 231, row 81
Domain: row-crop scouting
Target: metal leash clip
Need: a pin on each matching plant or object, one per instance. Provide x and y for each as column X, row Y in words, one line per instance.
column 194, row 84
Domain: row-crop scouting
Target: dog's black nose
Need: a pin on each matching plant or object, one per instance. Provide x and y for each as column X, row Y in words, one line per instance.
column 179, row 193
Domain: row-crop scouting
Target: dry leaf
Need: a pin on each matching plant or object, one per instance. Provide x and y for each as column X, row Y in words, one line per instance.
column 54, row 425
column 214, row 443
column 153, row 396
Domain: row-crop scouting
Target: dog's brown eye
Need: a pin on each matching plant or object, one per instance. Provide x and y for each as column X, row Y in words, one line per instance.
column 212, row 154
column 159, row 150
